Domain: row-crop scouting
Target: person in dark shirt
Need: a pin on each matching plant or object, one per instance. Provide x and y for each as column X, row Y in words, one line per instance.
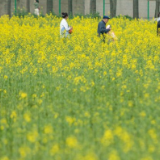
column 158, row 25
column 102, row 27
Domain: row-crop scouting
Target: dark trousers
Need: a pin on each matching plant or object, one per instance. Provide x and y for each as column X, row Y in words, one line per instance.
column 102, row 36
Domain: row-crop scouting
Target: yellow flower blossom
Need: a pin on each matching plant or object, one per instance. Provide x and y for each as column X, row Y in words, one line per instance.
column 24, row 151
column 70, row 120
column 107, row 138
column 71, row 142
column 113, row 156
column 142, row 114
column 55, row 149
column 5, row 158
column 14, row 115
column 48, row 129
column 32, row 136
column 27, row 117
column 23, row 95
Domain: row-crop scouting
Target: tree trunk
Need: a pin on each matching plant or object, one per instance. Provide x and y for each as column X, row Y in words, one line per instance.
column 49, row 6
column 157, row 8
column 135, row 9
column 70, row 9
column 9, row 8
column 92, row 6
column 28, row 5
column 113, row 8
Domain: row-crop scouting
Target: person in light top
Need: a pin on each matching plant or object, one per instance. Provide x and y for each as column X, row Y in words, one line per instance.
column 64, row 27
column 158, row 25
column 36, row 5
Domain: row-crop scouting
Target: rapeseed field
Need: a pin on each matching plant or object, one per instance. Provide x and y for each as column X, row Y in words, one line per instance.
column 79, row 98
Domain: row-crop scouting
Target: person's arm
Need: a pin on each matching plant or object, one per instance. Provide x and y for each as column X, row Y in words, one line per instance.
column 103, row 29
column 158, row 19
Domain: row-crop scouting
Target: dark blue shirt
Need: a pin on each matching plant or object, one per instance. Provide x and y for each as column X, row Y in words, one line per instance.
column 102, row 28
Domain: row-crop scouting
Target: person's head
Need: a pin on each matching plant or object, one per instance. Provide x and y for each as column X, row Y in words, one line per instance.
column 65, row 15
column 37, row 1
column 159, row 14
column 106, row 19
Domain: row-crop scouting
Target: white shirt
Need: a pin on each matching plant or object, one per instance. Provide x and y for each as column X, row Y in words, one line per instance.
column 64, row 26
column 158, row 19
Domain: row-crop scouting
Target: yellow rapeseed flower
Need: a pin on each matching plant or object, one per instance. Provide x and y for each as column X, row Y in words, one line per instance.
column 48, row 129
column 5, row 158
column 27, row 117
column 55, row 149
column 107, row 138
column 71, row 142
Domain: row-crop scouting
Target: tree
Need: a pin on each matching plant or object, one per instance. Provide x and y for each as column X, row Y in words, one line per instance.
column 49, row 6
column 113, row 8
column 28, row 5
column 70, row 9
column 157, row 8
column 135, row 8
column 92, row 6
column 9, row 8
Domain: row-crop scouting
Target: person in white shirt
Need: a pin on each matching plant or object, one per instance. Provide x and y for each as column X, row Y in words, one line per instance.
column 36, row 5
column 158, row 25
column 64, row 27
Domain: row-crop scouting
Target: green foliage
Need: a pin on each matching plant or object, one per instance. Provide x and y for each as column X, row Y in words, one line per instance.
column 124, row 17
column 21, row 13
column 95, row 15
